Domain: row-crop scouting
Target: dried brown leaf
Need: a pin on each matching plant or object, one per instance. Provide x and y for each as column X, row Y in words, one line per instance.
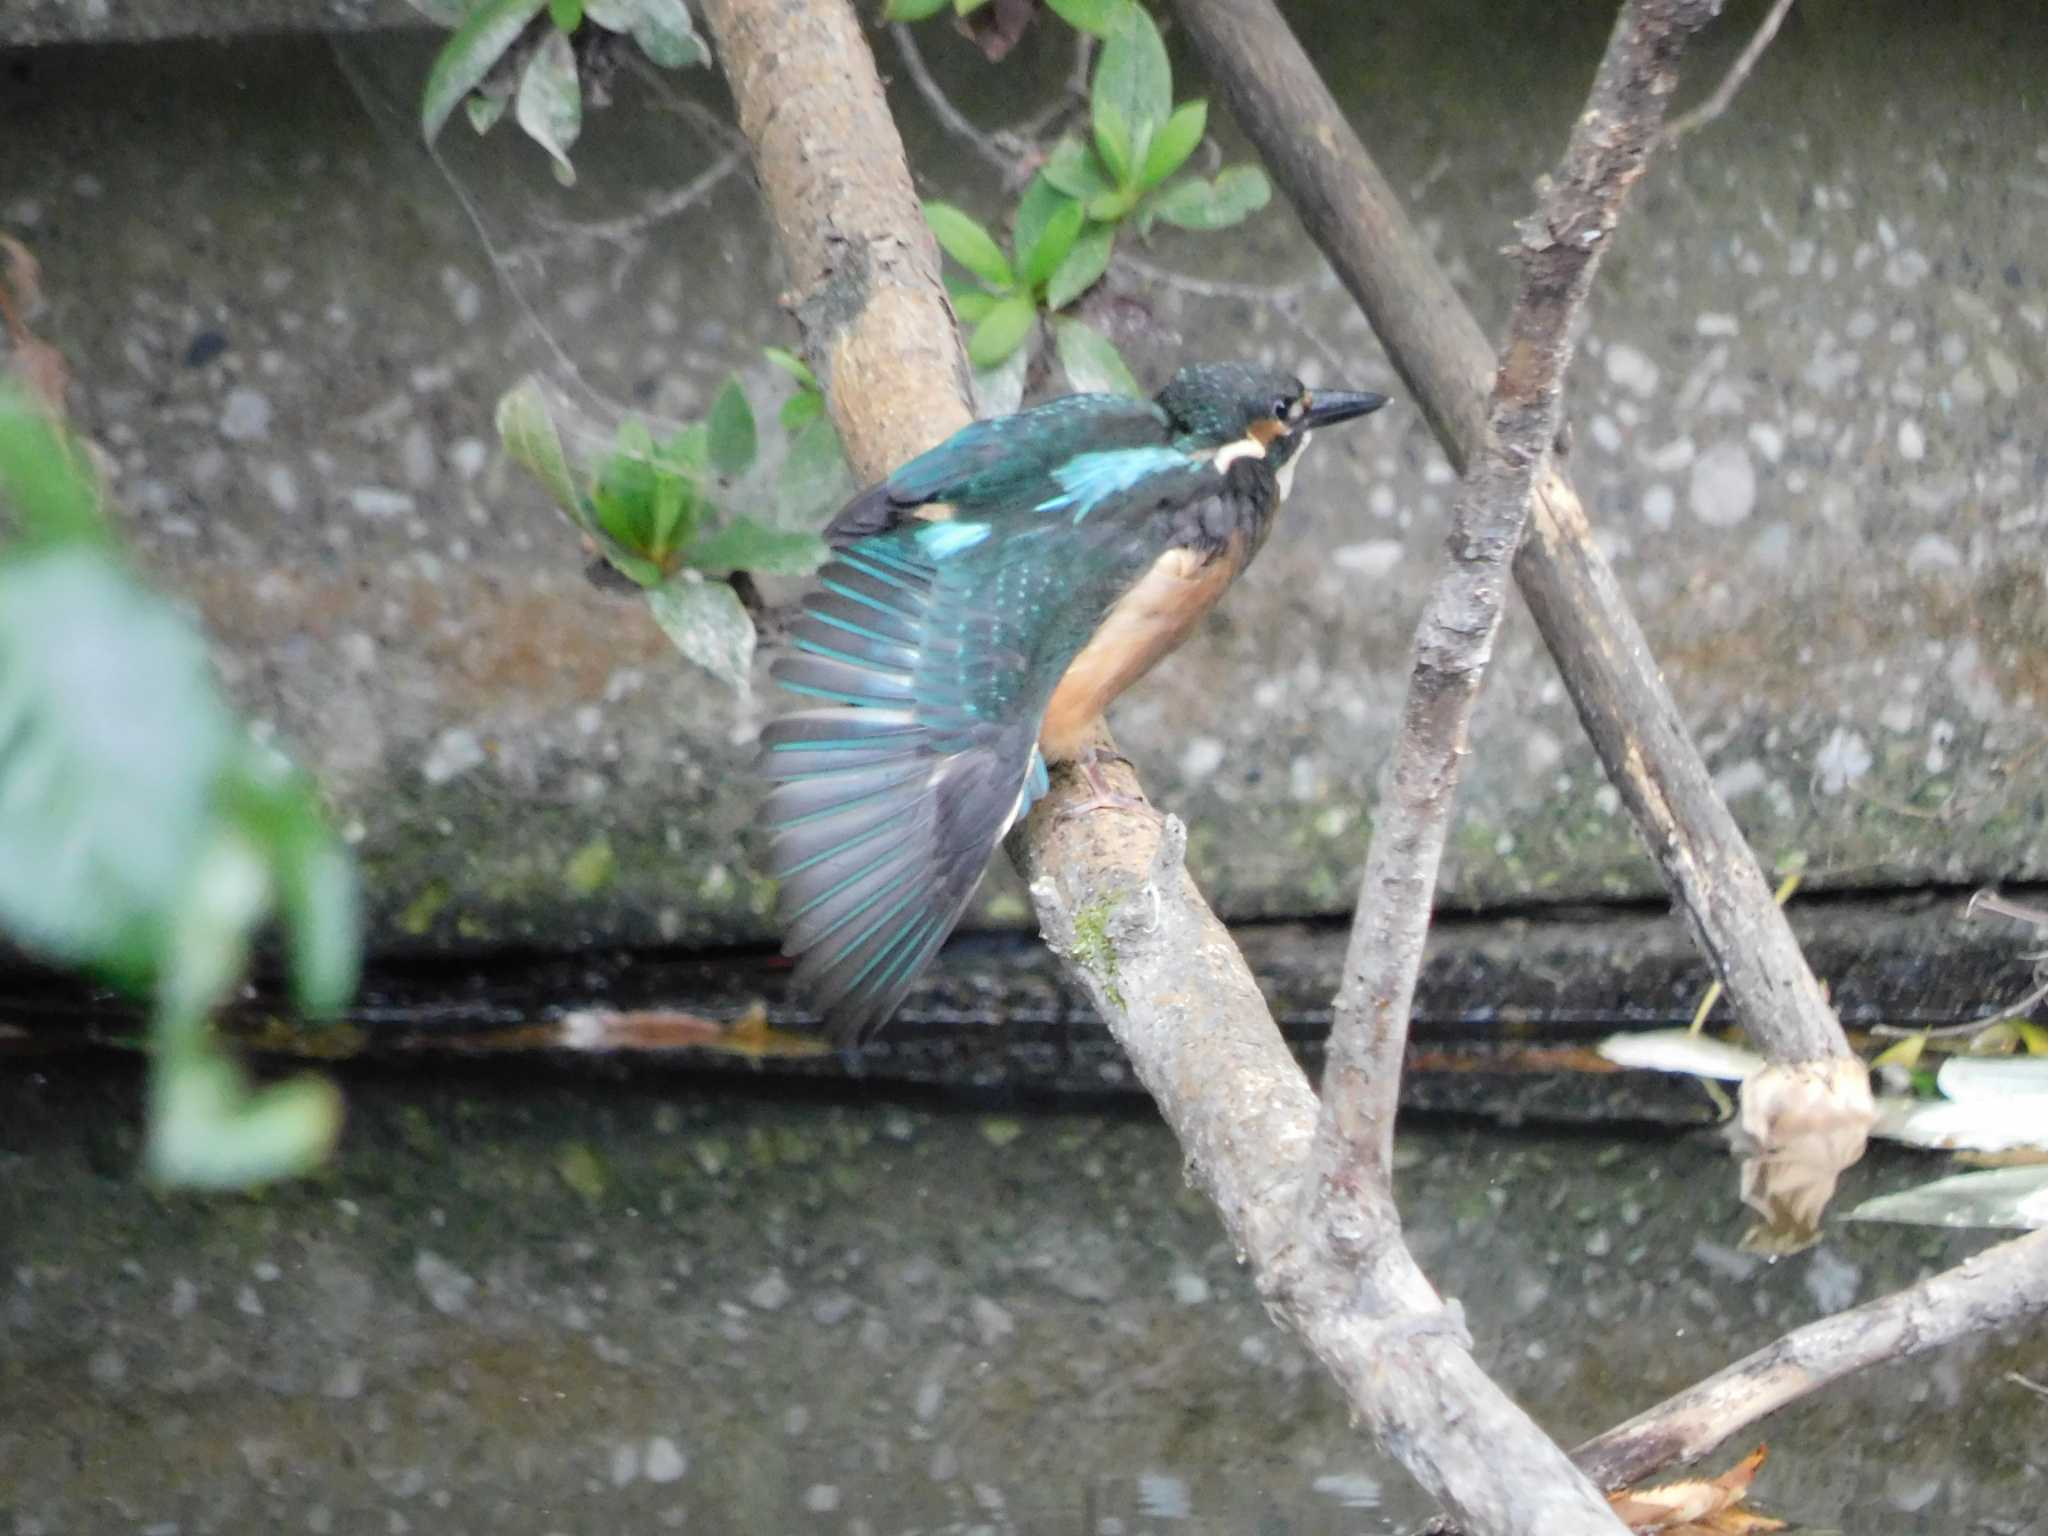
column 1801, row 1124
column 1698, row 1506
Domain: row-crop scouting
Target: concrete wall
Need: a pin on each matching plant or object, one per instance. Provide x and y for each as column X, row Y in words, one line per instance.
column 1807, row 419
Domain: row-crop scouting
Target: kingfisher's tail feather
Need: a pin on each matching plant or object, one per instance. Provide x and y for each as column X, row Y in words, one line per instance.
column 881, row 817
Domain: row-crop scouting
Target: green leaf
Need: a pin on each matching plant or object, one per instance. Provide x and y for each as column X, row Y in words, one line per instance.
column 1076, row 170
column 667, row 36
column 1001, row 331
column 1112, row 141
column 706, row 622
column 1133, row 88
column 973, row 304
column 45, row 479
column 468, row 56
column 733, row 440
column 1097, row 16
column 1237, row 192
column 792, row 365
column 1055, row 236
column 745, row 545
column 968, row 7
column 567, row 15
column 1091, row 361
column 208, row 1131
column 1083, row 267
column 814, row 475
column 527, row 429
column 1000, row 390
column 485, row 108
column 968, row 243
column 1174, row 142
column 275, row 807
column 801, row 409
column 116, row 740
column 549, row 105
column 912, row 10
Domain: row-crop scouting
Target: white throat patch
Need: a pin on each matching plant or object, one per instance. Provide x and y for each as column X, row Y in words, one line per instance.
column 1243, row 448
column 1286, row 475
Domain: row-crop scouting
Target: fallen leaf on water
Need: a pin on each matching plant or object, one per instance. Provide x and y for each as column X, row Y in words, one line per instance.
column 1697, row 1507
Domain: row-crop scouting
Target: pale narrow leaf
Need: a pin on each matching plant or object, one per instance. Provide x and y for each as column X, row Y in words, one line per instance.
column 1994, row 1197
column 469, row 55
column 1679, row 1050
column 550, row 102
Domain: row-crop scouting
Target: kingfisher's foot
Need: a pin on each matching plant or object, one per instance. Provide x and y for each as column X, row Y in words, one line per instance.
column 1101, row 797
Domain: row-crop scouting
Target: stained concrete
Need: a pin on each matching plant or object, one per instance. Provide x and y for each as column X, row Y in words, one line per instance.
column 1806, row 416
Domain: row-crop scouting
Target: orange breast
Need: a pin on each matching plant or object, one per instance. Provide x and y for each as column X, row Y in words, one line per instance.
column 1147, row 623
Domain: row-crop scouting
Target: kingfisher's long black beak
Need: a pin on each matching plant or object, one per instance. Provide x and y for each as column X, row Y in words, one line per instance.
column 1326, row 407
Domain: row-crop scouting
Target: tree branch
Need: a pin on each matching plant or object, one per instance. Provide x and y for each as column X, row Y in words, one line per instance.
column 863, row 269
column 1559, row 252
column 1999, row 1287
column 1733, row 81
column 1435, row 343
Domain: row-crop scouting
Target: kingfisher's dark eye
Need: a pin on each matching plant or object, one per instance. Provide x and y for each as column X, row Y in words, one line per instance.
column 1283, row 408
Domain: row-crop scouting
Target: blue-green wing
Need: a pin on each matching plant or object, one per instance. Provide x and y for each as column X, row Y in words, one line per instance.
column 997, row 463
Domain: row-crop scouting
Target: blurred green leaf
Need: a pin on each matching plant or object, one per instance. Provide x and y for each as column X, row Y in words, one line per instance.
column 1000, row 390
column 968, row 7
column 1132, row 93
column 1175, row 141
column 1083, row 267
column 1075, row 169
column 1002, row 330
column 526, row 427
column 705, row 621
column 45, row 479
column 912, row 10
column 277, row 809
column 662, row 28
column 469, row 55
column 208, row 1130
column 792, row 365
column 1096, row 16
column 814, row 475
column 549, row 105
column 485, row 108
column 1237, row 192
column 1112, row 141
column 566, row 14
column 115, row 744
column 745, row 545
column 1091, row 361
column 1054, row 235
column 973, row 305
column 733, row 440
column 968, row 243
column 801, row 409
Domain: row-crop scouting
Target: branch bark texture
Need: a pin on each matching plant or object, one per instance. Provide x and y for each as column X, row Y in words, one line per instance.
column 1439, row 350
column 1998, row 1288
column 1559, row 252
column 863, row 269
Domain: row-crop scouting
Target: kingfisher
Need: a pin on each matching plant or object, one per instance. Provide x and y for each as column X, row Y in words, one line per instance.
column 984, row 605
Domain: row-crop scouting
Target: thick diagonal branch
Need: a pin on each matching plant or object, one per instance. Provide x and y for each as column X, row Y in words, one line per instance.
column 1435, row 343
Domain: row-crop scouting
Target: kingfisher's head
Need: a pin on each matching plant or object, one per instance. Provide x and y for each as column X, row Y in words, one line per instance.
column 1234, row 410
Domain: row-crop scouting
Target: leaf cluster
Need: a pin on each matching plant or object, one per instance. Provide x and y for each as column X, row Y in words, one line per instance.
column 1124, row 173
column 652, row 506
column 506, row 53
